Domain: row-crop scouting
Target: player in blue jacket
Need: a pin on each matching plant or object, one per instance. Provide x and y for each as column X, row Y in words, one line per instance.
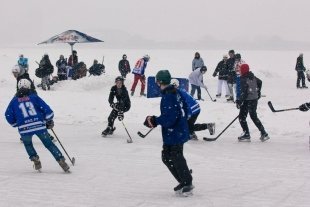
column 191, row 108
column 174, row 132
column 32, row 116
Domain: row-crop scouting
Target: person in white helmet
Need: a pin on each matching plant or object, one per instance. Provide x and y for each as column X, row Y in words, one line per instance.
column 21, row 73
column 32, row 116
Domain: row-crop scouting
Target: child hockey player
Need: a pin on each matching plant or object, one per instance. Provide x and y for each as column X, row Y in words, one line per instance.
column 33, row 116
column 174, row 131
column 192, row 110
column 122, row 105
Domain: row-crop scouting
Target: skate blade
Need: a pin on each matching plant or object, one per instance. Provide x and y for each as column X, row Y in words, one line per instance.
column 265, row 139
column 185, row 194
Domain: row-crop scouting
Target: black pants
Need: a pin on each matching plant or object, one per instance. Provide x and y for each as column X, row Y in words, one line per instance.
column 300, row 77
column 112, row 117
column 250, row 107
column 172, row 157
column 195, row 127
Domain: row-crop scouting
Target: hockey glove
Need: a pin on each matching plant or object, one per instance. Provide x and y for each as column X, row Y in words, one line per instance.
column 120, row 115
column 113, row 105
column 238, row 104
column 50, row 124
column 304, row 107
column 150, row 122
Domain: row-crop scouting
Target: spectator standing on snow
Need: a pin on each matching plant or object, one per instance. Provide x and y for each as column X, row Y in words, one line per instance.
column 196, row 81
column 23, row 62
column 222, row 71
column 138, row 72
column 197, row 62
column 124, row 66
column 231, row 80
column 46, row 69
column 300, row 68
column 32, row 116
column 174, row 132
column 122, row 105
column 250, row 88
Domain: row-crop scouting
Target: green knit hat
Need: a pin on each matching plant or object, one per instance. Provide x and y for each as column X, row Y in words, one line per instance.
column 163, row 76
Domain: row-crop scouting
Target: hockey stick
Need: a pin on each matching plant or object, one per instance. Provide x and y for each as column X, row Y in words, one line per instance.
column 144, row 135
column 273, row 110
column 213, row 139
column 71, row 160
column 214, row 100
column 128, row 140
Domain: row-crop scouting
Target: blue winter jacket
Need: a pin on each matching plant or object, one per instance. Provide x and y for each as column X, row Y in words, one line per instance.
column 190, row 105
column 172, row 118
column 29, row 114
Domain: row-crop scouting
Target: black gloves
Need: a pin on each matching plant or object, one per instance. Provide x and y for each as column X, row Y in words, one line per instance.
column 238, row 104
column 214, row 74
column 50, row 124
column 150, row 122
column 120, row 115
column 113, row 105
column 304, row 107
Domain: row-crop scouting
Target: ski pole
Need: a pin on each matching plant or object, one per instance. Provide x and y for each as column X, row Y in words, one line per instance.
column 130, row 139
column 144, row 135
column 71, row 160
column 213, row 139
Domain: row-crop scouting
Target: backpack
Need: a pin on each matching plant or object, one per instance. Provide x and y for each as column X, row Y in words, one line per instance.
column 39, row 72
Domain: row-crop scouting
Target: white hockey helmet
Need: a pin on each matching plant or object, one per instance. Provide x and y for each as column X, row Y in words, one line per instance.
column 175, row 82
column 16, row 69
column 24, row 83
column 147, row 57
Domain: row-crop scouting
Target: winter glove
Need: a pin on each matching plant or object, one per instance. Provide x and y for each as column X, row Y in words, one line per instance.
column 238, row 104
column 120, row 115
column 150, row 122
column 304, row 107
column 214, row 74
column 50, row 124
column 115, row 106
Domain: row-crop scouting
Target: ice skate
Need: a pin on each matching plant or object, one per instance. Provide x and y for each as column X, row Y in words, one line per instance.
column 245, row 137
column 264, row 137
column 36, row 163
column 108, row 131
column 211, row 128
column 64, row 165
column 193, row 136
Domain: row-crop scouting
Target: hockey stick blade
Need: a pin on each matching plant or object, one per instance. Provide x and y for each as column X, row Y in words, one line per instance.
column 281, row 110
column 144, row 135
column 141, row 135
column 210, row 139
column 129, row 141
column 271, row 106
column 213, row 139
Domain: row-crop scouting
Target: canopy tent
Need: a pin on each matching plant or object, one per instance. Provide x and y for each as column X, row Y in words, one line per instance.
column 71, row 37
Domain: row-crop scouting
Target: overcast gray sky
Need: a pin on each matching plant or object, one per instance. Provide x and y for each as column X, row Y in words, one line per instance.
column 158, row 20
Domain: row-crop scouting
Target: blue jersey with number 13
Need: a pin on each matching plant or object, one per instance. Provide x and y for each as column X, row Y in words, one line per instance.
column 29, row 114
